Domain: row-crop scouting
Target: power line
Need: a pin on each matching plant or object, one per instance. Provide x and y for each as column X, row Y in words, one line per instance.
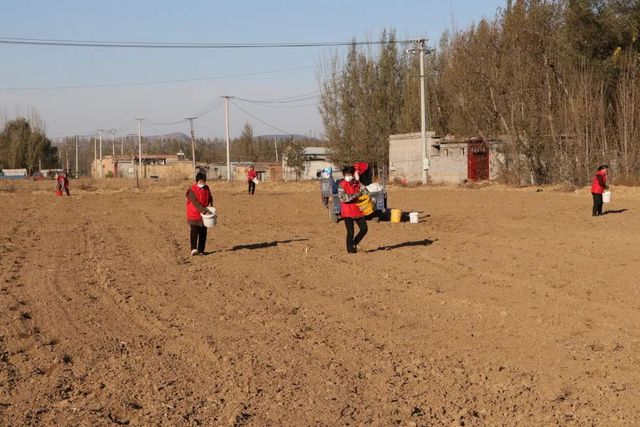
column 165, row 45
column 150, row 83
column 301, row 97
column 260, row 120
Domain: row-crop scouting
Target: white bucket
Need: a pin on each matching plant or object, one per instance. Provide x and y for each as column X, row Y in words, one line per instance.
column 413, row 217
column 606, row 197
column 209, row 220
column 255, row 181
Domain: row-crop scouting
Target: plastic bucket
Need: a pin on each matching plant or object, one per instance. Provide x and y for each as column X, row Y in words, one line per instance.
column 396, row 215
column 606, row 197
column 413, row 217
column 255, row 180
column 209, row 220
column 365, row 204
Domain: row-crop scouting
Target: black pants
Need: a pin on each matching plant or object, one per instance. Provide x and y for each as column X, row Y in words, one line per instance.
column 597, row 204
column 198, row 238
column 362, row 225
column 252, row 187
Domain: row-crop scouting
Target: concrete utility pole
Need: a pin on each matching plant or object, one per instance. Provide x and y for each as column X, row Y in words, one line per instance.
column 122, row 145
column 423, row 112
column 100, row 130
column 95, row 157
column 275, row 142
column 140, row 147
column 226, row 132
column 193, row 144
column 113, row 145
column 422, row 49
column 77, row 174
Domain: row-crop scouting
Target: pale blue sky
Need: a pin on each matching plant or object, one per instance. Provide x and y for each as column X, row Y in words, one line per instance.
column 71, row 111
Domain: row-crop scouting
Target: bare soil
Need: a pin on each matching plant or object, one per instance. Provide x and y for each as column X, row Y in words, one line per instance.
column 501, row 307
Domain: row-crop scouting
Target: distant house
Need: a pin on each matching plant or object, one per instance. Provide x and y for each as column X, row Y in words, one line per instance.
column 164, row 166
column 264, row 171
column 13, row 173
column 315, row 159
column 448, row 160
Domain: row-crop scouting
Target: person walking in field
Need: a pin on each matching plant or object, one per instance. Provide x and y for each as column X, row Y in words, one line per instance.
column 349, row 191
column 199, row 197
column 251, row 177
column 598, row 187
column 62, row 183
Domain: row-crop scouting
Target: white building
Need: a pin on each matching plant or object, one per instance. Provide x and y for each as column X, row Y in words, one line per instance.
column 315, row 159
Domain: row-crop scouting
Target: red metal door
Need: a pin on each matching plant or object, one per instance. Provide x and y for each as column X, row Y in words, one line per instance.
column 477, row 161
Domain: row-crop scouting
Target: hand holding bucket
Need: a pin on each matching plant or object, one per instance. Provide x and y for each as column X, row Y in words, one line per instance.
column 209, row 219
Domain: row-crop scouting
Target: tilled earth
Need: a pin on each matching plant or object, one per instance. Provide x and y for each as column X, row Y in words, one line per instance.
column 502, row 307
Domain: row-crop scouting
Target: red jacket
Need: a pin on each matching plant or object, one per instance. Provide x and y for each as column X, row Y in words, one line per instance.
column 203, row 195
column 251, row 175
column 596, row 186
column 350, row 210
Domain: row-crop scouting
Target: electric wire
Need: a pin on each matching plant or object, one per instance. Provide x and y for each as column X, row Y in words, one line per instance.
column 260, row 120
column 182, row 45
column 151, row 83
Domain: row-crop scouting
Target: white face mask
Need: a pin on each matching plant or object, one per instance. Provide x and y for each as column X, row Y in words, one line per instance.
column 348, row 178
column 201, row 185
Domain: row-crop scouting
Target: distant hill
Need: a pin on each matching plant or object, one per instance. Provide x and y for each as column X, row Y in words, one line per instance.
column 282, row 137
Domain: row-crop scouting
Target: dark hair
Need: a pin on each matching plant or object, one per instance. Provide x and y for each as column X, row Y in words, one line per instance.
column 348, row 170
column 603, row 167
column 201, row 177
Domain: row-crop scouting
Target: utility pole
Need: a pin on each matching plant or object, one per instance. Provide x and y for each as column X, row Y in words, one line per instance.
column 113, row 145
column 95, row 156
column 100, row 130
column 275, row 142
column 140, row 147
column 122, row 145
column 193, row 144
column 423, row 111
column 421, row 48
column 77, row 174
column 226, row 132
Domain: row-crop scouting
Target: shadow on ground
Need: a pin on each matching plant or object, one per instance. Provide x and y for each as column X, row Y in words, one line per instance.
column 425, row 242
column 263, row 245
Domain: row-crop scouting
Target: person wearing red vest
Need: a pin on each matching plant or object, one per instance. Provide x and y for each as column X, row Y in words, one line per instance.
column 349, row 190
column 251, row 175
column 62, row 184
column 598, row 186
column 198, row 199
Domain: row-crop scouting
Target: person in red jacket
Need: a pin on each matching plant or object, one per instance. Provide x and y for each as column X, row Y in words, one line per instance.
column 598, row 187
column 198, row 199
column 349, row 190
column 62, row 183
column 251, row 176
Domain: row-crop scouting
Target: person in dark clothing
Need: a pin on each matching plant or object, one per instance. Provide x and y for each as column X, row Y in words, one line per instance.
column 198, row 199
column 598, row 187
column 349, row 191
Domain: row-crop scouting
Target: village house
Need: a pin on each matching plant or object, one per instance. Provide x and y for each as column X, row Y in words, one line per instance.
column 315, row 159
column 448, row 160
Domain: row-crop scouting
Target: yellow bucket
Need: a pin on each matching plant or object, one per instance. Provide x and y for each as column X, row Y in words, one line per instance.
column 396, row 215
column 365, row 204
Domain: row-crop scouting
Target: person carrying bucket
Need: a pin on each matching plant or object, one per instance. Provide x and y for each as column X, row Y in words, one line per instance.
column 252, row 176
column 349, row 191
column 198, row 199
column 598, row 187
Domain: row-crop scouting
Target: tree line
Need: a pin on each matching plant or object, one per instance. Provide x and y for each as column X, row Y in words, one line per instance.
column 24, row 145
column 558, row 81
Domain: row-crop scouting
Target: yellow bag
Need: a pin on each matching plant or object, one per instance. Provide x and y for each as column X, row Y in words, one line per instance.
column 365, row 204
